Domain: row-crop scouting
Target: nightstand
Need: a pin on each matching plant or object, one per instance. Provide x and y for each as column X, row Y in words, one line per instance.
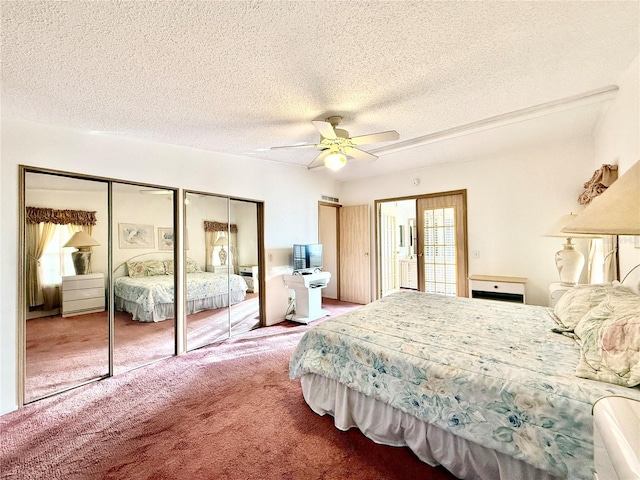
column 226, row 269
column 494, row 287
column 82, row 294
column 250, row 275
column 556, row 290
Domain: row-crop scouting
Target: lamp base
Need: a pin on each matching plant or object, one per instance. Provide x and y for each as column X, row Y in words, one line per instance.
column 569, row 263
column 223, row 256
column 81, row 262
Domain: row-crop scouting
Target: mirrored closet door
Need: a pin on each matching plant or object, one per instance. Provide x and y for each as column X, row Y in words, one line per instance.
column 65, row 245
column 222, row 280
column 243, row 244
column 143, row 275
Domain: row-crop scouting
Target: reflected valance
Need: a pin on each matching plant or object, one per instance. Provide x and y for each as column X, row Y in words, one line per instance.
column 210, row 226
column 598, row 183
column 60, row 217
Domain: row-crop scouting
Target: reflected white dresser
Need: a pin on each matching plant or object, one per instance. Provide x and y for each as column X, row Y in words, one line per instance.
column 250, row 275
column 82, row 294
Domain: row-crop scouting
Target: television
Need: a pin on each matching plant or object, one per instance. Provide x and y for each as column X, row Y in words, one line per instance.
column 307, row 257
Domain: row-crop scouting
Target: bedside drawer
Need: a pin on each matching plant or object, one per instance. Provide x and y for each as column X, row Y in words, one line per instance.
column 84, row 305
column 81, row 284
column 495, row 288
column 84, row 293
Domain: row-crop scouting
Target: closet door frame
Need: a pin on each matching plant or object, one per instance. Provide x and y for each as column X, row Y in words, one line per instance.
column 109, row 295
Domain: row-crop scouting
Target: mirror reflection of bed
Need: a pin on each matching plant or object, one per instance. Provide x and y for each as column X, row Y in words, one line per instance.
column 144, row 302
column 65, row 351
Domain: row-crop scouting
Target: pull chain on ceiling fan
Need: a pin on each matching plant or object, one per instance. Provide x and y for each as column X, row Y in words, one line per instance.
column 336, row 145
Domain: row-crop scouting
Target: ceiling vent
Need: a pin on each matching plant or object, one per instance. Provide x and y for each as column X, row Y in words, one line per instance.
column 330, row 199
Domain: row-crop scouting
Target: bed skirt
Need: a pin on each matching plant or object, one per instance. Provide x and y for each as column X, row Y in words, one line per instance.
column 164, row 311
column 387, row 425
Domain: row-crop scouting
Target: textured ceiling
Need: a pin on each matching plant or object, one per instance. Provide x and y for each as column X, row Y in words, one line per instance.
column 241, row 77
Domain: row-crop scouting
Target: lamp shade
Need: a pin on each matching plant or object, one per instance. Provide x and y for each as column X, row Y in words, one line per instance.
column 556, row 230
column 615, row 212
column 81, row 240
column 221, row 241
column 335, row 161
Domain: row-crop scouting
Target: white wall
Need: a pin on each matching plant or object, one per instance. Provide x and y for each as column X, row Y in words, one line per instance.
column 512, row 200
column 290, row 194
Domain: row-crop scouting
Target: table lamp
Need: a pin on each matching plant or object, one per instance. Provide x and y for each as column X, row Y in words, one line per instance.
column 81, row 257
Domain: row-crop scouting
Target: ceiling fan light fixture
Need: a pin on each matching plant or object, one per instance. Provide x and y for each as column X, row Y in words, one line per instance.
column 335, row 161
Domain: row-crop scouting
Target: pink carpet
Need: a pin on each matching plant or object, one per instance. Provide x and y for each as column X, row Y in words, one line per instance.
column 227, row 411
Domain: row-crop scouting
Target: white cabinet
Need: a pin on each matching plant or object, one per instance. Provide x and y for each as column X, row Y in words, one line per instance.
column 308, row 291
column 250, row 275
column 494, row 287
column 408, row 273
column 225, row 269
column 82, row 294
column 556, row 290
column 616, row 443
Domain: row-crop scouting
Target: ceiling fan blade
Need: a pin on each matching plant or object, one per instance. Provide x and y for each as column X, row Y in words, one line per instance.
column 376, row 137
column 319, row 160
column 360, row 154
column 304, row 145
column 325, row 128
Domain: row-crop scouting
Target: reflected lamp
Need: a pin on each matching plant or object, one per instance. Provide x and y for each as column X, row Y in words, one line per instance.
column 82, row 256
column 221, row 242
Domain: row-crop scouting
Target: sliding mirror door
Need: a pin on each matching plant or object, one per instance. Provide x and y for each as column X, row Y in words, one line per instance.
column 144, row 281
column 243, row 246
column 207, row 282
column 222, row 241
column 65, row 247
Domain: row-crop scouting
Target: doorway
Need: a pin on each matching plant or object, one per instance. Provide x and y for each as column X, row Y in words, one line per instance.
column 422, row 244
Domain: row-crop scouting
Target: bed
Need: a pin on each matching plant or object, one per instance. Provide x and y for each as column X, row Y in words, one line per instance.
column 145, row 289
column 487, row 389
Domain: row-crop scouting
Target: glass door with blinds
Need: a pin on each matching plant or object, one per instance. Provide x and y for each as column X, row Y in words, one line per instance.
column 442, row 244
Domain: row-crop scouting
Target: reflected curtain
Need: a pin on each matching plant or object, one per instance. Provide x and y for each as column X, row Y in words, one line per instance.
column 39, row 230
column 38, row 236
column 211, row 231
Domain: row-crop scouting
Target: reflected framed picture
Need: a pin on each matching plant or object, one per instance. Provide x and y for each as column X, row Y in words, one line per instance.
column 133, row 235
column 165, row 238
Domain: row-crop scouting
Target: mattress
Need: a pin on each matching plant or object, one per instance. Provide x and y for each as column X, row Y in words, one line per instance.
column 489, row 372
column 150, row 295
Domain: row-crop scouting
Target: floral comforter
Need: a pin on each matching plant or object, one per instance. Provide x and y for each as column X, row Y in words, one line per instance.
column 490, row 372
column 158, row 289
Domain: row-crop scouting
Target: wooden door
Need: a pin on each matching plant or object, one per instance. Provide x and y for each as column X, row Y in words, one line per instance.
column 355, row 261
column 388, row 255
column 328, row 237
column 442, row 243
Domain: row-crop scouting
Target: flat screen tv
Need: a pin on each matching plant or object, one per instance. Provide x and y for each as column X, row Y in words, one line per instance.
column 307, row 257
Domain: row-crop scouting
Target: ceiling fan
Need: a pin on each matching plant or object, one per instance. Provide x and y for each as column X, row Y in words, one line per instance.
column 336, row 145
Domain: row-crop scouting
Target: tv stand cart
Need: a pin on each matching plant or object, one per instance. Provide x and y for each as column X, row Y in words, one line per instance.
column 308, row 290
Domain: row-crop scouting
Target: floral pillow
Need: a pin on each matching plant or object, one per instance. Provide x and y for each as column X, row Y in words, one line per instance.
column 191, row 266
column 579, row 300
column 609, row 337
column 147, row 268
column 168, row 267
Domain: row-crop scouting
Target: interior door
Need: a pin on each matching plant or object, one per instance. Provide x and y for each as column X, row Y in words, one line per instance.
column 388, row 260
column 328, row 229
column 355, row 261
column 442, row 244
